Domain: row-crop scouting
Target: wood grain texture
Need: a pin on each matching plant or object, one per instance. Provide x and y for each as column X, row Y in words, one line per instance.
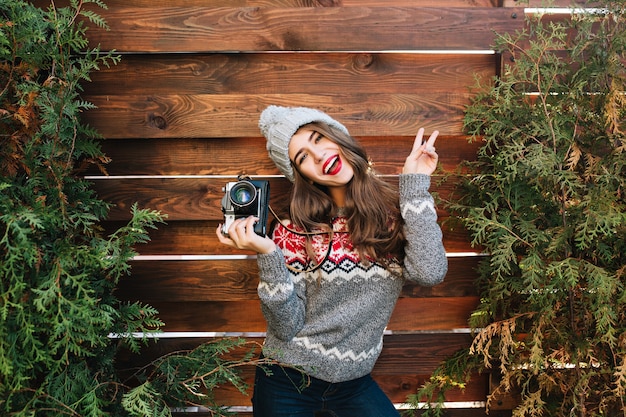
column 403, row 366
column 237, row 280
column 189, row 237
column 410, row 314
column 179, row 198
column 219, row 29
column 198, row 198
column 290, row 3
column 415, row 353
column 397, row 388
column 330, row 3
column 209, row 156
column 236, row 115
column 555, row 3
column 290, row 73
column 112, row 4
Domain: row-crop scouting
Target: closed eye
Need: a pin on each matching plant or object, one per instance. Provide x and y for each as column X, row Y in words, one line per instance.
column 301, row 155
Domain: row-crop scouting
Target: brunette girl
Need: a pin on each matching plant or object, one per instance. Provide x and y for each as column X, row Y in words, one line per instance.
column 330, row 276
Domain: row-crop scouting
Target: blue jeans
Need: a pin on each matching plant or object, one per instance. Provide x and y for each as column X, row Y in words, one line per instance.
column 288, row 392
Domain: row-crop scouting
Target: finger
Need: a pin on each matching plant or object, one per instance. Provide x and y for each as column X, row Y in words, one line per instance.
column 431, row 153
column 432, row 139
column 418, row 140
column 249, row 225
column 221, row 237
column 240, row 228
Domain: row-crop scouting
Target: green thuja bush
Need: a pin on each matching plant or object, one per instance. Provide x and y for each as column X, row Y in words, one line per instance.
column 546, row 201
column 62, row 329
column 57, row 271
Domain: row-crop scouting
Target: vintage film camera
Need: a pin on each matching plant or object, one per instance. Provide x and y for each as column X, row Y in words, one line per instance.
column 244, row 198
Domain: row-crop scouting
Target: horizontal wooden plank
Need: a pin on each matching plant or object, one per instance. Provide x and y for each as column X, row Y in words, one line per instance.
column 429, row 314
column 285, row 3
column 552, row 3
column 397, row 388
column 233, row 280
column 235, row 156
column 416, row 353
column 198, row 238
column 179, row 198
column 290, row 73
column 196, row 198
column 224, row 156
column 403, row 366
column 237, row 115
column 112, row 4
column 208, row 29
column 411, row 314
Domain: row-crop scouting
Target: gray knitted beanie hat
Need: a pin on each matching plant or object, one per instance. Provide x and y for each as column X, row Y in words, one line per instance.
column 278, row 124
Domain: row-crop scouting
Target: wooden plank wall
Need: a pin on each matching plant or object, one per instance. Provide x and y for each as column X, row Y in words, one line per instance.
column 180, row 113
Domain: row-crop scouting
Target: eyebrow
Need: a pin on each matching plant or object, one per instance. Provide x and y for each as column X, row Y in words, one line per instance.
column 295, row 157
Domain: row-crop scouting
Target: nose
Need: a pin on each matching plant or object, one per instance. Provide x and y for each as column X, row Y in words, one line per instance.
column 318, row 155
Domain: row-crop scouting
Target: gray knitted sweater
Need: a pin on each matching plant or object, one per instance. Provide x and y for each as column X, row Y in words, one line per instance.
column 330, row 322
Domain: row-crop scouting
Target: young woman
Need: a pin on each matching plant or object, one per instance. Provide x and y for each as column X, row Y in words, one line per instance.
column 331, row 275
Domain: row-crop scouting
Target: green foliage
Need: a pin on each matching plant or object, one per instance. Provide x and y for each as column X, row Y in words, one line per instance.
column 187, row 378
column 546, row 199
column 61, row 327
column 58, row 272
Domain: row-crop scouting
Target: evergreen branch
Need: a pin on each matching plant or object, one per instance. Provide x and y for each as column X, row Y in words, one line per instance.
column 62, row 409
column 551, row 173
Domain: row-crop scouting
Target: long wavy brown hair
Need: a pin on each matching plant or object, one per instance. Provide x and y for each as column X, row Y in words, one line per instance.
column 372, row 204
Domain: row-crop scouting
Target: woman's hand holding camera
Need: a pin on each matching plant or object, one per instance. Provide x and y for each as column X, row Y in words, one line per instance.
column 241, row 235
column 423, row 158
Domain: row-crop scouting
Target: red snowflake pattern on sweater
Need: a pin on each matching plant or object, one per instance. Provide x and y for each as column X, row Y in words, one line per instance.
column 293, row 245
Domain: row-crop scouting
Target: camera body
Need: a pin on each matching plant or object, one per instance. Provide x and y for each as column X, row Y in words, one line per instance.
column 246, row 198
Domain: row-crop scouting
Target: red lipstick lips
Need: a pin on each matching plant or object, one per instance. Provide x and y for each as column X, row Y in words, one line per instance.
column 332, row 165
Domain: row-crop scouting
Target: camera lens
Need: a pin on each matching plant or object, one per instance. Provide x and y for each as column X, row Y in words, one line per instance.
column 242, row 193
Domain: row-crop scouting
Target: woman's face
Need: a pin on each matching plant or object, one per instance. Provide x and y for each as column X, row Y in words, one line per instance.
column 319, row 159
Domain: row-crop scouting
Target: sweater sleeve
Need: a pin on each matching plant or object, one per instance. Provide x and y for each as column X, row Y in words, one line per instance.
column 282, row 299
column 425, row 259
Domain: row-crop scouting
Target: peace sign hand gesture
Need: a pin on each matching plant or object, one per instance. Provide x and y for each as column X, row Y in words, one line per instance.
column 423, row 158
